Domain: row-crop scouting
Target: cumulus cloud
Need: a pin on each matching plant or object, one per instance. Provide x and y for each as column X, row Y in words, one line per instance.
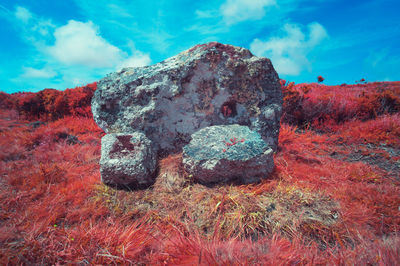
column 235, row 11
column 22, row 14
column 80, row 43
column 30, row 72
column 289, row 52
column 72, row 54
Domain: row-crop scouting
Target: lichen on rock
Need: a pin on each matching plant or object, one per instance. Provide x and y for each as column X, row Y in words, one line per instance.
column 127, row 160
column 226, row 153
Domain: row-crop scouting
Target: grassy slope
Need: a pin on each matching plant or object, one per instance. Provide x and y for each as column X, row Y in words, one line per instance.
column 333, row 198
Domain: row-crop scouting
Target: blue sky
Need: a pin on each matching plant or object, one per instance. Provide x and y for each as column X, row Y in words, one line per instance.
column 63, row 44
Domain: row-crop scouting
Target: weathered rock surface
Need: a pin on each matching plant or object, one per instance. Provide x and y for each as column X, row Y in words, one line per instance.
column 228, row 152
column 209, row 84
column 127, row 160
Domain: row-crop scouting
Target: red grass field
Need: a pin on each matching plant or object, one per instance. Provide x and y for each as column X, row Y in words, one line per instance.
column 334, row 197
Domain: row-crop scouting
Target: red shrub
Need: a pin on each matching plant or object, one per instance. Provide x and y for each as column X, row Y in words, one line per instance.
column 51, row 104
column 7, row 101
column 30, row 105
column 79, row 100
column 315, row 105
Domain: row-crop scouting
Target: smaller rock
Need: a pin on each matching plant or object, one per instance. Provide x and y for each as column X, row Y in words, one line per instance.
column 227, row 152
column 127, row 160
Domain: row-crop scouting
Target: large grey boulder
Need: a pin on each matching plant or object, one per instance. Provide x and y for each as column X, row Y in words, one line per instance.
column 229, row 152
column 127, row 160
column 209, row 84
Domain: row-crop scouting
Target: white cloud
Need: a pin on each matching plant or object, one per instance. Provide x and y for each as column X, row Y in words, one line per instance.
column 316, row 34
column 31, row 27
column 79, row 43
column 235, row 11
column 30, row 72
column 118, row 10
column 289, row 53
column 137, row 60
column 43, row 26
column 22, row 14
column 73, row 54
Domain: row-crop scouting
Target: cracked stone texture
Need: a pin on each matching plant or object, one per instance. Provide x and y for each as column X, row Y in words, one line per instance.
column 228, row 152
column 209, row 84
column 127, row 160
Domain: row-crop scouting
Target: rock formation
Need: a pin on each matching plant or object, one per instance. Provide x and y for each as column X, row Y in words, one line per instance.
column 209, row 84
column 229, row 152
column 127, row 160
